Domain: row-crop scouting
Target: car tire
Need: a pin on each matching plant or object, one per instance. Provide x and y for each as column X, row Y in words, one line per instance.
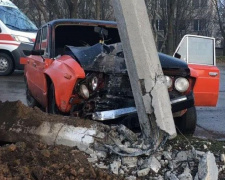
column 31, row 102
column 52, row 107
column 187, row 123
column 6, row 65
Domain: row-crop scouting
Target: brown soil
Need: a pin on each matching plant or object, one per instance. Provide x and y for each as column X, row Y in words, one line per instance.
column 11, row 112
column 41, row 162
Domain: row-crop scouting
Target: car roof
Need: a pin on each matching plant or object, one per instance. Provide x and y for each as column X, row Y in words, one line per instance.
column 82, row 22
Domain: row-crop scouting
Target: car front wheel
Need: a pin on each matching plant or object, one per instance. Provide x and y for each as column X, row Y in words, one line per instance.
column 6, row 65
column 187, row 123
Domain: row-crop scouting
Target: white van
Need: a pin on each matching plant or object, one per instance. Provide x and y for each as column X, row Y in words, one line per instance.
column 17, row 33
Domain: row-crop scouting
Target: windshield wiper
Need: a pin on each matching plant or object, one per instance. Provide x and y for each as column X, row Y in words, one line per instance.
column 29, row 30
column 13, row 26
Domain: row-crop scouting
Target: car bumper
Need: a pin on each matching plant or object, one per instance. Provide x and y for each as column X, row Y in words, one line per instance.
column 182, row 102
column 178, row 104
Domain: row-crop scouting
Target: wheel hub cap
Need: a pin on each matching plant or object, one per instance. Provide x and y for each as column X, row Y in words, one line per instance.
column 3, row 64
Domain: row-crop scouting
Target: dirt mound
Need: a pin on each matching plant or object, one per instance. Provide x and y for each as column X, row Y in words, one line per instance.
column 11, row 112
column 39, row 161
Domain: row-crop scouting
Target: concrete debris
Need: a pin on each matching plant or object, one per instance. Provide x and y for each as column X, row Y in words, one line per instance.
column 143, row 172
column 93, row 158
column 222, row 158
column 207, row 169
column 182, row 156
column 102, row 166
column 170, row 176
column 196, row 177
column 130, row 161
column 185, row 176
column 169, row 148
column 131, row 178
column 121, row 171
column 205, row 147
column 170, row 165
column 167, row 155
column 114, row 167
column 164, row 163
column 152, row 163
column 123, row 152
column 128, row 134
column 140, row 162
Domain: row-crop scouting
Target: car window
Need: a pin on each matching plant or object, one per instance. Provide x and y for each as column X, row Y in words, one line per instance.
column 44, row 39
column 183, row 49
column 197, row 50
column 200, row 51
column 38, row 40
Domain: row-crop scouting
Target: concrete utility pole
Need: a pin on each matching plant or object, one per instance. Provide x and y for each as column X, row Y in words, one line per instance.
column 144, row 68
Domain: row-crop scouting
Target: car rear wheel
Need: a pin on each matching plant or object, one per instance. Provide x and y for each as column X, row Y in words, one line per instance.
column 6, row 65
column 52, row 106
column 187, row 123
column 31, row 102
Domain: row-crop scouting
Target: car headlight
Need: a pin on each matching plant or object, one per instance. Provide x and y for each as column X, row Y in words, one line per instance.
column 181, row 84
column 94, row 83
column 84, row 92
column 22, row 39
column 169, row 82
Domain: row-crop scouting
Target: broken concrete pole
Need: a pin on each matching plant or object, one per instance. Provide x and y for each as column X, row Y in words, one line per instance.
column 152, row 163
column 207, row 169
column 144, row 68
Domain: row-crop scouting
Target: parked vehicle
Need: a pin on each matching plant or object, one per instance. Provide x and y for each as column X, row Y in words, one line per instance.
column 17, row 33
column 77, row 67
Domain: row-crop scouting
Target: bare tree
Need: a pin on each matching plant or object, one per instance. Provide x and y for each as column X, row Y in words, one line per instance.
column 220, row 11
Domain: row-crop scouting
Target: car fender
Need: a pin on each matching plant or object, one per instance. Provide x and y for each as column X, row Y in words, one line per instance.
column 193, row 72
column 64, row 73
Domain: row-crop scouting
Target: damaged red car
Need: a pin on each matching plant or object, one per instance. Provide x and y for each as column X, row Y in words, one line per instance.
column 77, row 67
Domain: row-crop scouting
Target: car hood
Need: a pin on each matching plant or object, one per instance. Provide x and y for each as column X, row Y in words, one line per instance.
column 110, row 59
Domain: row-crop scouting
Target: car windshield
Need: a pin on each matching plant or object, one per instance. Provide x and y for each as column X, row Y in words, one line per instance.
column 14, row 19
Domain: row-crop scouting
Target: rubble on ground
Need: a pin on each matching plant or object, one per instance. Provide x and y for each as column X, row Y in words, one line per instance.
column 104, row 152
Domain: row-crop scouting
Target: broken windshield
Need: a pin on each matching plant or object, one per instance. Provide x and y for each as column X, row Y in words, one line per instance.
column 14, row 19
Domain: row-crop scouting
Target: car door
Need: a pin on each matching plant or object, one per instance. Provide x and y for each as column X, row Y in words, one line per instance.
column 199, row 53
column 37, row 67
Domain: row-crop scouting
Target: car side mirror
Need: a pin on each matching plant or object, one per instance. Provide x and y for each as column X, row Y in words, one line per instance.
column 34, row 52
column 177, row 55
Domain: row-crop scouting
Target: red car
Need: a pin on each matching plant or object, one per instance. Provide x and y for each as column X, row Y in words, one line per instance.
column 77, row 67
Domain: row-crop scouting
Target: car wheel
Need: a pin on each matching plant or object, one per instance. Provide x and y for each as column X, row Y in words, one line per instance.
column 52, row 106
column 6, row 65
column 187, row 123
column 31, row 102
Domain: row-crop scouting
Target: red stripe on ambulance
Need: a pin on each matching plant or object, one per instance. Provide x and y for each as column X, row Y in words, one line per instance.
column 6, row 37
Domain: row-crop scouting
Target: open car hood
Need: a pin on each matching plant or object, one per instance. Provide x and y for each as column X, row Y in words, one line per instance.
column 110, row 59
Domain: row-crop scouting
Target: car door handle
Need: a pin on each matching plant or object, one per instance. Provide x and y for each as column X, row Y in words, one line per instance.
column 34, row 64
column 213, row 74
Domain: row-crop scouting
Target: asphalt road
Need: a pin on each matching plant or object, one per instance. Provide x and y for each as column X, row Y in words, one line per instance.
column 210, row 124
column 12, row 88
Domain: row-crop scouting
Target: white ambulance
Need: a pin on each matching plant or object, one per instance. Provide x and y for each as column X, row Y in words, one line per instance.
column 17, row 33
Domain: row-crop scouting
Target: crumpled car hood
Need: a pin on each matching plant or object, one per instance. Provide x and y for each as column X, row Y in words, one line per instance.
column 110, row 59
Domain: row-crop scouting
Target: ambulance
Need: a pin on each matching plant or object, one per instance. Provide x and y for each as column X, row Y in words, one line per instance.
column 17, row 33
